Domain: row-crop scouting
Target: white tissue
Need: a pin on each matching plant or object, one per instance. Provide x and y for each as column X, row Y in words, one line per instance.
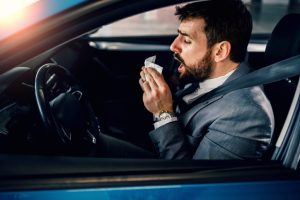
column 150, row 62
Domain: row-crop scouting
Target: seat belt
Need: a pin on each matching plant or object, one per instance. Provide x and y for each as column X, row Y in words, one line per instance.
column 278, row 71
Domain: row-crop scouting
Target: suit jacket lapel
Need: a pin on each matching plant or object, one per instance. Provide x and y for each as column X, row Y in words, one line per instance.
column 187, row 116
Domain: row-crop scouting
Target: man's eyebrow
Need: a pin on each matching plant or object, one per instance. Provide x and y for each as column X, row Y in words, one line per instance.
column 183, row 33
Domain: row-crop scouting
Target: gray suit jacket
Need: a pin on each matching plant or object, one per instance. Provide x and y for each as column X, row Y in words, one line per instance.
column 237, row 125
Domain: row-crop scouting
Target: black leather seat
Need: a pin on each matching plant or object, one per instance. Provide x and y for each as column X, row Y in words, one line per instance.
column 283, row 43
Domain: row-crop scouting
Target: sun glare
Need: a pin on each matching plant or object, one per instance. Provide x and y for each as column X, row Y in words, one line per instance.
column 12, row 9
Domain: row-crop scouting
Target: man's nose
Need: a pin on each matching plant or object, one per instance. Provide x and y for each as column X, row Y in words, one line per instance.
column 175, row 47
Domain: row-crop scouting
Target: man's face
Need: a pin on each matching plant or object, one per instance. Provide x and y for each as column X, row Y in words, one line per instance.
column 190, row 48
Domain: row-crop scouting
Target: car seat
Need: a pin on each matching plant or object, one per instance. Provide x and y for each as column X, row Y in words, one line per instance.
column 283, row 43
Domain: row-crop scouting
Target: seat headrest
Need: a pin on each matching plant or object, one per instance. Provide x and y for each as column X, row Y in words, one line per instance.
column 285, row 39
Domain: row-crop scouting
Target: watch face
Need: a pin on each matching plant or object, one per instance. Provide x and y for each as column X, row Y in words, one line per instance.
column 164, row 116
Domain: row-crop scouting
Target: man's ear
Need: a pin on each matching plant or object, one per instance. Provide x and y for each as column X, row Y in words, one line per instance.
column 222, row 51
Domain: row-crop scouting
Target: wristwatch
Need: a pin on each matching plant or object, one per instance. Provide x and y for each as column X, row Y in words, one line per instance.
column 163, row 115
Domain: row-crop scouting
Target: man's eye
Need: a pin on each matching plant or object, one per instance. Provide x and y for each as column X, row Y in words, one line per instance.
column 187, row 41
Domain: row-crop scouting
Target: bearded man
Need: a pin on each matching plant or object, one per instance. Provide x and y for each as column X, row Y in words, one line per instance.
column 211, row 47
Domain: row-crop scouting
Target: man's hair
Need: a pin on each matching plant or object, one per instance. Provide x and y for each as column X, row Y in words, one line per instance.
column 225, row 20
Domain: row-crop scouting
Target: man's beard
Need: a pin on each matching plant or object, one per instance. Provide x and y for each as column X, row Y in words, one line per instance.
column 197, row 73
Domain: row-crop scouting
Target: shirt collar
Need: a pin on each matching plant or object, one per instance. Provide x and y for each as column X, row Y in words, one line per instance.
column 206, row 86
column 215, row 82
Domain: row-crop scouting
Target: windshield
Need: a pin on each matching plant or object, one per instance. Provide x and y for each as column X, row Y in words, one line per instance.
column 16, row 15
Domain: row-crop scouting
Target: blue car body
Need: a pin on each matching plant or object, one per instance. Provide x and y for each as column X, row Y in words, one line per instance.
column 243, row 190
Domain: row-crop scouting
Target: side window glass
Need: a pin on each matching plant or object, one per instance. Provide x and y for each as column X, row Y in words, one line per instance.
column 156, row 22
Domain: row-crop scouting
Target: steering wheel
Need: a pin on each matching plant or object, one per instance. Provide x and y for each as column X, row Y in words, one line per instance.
column 64, row 108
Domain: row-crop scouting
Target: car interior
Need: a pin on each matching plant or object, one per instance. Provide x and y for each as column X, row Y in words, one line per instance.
column 285, row 35
column 109, row 77
column 104, row 71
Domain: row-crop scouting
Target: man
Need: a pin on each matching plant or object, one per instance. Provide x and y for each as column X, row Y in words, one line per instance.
column 211, row 46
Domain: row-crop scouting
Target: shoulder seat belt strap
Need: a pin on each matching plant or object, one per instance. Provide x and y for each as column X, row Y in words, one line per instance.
column 272, row 73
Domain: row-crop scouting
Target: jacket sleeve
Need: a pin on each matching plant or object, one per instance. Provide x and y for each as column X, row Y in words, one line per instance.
column 170, row 142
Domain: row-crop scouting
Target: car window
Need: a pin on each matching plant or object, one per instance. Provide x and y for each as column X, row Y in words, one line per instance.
column 265, row 14
column 156, row 22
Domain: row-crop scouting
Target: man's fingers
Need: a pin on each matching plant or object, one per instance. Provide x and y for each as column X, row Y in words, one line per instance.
column 141, row 83
column 144, row 85
column 142, row 74
column 156, row 76
column 151, row 81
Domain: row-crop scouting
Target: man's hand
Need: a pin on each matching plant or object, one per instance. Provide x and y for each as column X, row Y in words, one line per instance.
column 157, row 95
